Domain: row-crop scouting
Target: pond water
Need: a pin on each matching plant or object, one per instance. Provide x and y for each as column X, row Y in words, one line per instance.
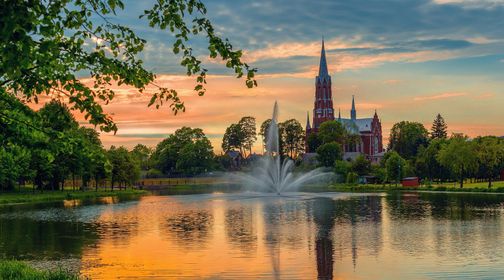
column 251, row 236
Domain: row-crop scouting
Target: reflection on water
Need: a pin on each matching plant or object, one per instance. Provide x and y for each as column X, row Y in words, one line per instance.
column 250, row 236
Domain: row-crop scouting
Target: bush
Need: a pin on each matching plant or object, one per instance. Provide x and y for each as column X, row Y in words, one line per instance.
column 352, row 178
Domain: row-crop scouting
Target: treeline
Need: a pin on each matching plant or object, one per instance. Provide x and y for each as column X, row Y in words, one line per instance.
column 415, row 151
column 49, row 149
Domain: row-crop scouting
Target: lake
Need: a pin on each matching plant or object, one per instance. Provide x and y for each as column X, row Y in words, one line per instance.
column 259, row 236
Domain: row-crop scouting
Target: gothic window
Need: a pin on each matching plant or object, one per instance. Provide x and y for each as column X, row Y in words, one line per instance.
column 376, row 143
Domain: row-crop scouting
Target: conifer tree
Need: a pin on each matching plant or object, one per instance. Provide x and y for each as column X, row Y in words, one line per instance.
column 439, row 128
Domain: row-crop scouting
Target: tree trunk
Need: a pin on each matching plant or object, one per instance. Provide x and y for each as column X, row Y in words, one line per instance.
column 489, row 182
column 461, row 181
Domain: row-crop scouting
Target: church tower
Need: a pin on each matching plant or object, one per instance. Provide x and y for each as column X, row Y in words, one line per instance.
column 323, row 107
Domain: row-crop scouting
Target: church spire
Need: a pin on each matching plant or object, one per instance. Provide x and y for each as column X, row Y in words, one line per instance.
column 353, row 112
column 323, row 62
column 339, row 114
column 308, row 126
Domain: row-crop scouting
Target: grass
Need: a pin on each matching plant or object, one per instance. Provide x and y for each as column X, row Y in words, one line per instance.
column 498, row 187
column 17, row 270
column 47, row 196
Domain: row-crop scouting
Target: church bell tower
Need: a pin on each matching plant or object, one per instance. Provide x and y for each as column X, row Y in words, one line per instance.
column 323, row 107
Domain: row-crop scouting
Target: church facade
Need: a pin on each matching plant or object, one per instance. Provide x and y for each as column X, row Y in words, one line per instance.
column 368, row 129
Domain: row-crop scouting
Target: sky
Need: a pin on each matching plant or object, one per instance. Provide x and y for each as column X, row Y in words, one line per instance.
column 408, row 59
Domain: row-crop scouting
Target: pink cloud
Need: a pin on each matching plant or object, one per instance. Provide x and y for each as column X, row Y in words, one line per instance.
column 440, row 96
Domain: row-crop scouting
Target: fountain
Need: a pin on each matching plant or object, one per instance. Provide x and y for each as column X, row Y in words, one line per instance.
column 271, row 174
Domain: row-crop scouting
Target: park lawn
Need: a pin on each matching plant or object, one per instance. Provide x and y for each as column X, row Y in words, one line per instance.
column 17, row 270
column 497, row 187
column 46, row 196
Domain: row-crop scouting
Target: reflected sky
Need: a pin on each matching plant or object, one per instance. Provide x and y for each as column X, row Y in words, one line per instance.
column 250, row 236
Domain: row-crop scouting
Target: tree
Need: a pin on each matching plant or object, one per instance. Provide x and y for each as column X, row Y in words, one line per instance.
column 240, row 136
column 248, row 130
column 439, row 128
column 406, row 137
column 263, row 131
column 233, row 138
column 332, row 131
column 64, row 143
column 490, row 154
column 125, row 169
column 14, row 162
column 328, row 153
column 313, row 141
column 44, row 44
column 459, row 156
column 196, row 157
column 361, row 166
column 167, row 152
column 142, row 154
column 180, row 150
column 426, row 161
column 293, row 138
column 396, row 167
column 342, row 167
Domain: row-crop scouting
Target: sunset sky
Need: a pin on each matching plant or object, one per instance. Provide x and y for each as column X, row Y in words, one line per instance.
column 408, row 60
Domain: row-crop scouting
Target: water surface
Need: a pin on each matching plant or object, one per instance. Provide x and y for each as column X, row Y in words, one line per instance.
column 251, row 236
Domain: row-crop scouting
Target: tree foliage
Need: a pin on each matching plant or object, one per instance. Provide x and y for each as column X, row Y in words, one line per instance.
column 439, row 128
column 313, row 142
column 361, row 166
column 44, row 44
column 47, row 147
column 407, row 137
column 332, row 131
column 396, row 167
column 427, row 164
column 263, row 132
column 460, row 157
column 490, row 155
column 329, row 153
column 293, row 138
column 178, row 154
column 125, row 169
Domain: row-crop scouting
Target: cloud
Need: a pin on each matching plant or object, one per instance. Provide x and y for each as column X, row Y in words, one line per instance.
column 440, row 96
column 472, row 4
column 391, row 82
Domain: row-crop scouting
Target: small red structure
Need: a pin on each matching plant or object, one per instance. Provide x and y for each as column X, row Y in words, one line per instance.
column 410, row 182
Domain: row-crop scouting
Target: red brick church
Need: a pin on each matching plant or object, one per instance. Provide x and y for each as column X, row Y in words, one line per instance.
column 369, row 129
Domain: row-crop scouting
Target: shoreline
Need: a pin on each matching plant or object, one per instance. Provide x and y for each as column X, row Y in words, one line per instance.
column 12, row 198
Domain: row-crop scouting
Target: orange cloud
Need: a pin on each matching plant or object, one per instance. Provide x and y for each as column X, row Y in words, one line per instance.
column 440, row 96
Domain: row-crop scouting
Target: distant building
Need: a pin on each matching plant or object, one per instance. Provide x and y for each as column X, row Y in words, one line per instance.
column 369, row 129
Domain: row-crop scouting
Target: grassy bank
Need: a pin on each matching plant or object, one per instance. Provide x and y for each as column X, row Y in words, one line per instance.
column 47, row 196
column 17, row 270
column 470, row 187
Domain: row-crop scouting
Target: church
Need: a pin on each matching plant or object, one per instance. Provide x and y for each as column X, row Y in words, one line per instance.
column 369, row 129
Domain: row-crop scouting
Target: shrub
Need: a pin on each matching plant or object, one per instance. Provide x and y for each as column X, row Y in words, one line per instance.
column 352, row 178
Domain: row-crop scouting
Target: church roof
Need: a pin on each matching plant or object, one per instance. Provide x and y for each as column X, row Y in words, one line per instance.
column 357, row 125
